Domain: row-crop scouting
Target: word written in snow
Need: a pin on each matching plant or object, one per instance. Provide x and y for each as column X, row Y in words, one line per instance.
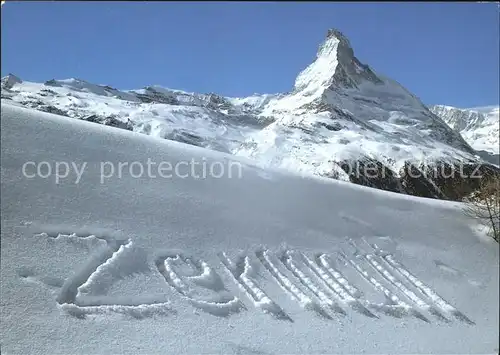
column 314, row 283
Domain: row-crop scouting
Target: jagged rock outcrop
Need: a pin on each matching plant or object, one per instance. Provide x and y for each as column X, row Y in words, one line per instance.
column 9, row 81
column 440, row 181
column 112, row 121
column 150, row 95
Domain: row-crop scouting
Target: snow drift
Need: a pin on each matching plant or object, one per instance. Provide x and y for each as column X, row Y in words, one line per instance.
column 266, row 262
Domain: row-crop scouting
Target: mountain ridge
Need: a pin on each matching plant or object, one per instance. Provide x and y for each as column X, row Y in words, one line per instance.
column 339, row 113
column 479, row 125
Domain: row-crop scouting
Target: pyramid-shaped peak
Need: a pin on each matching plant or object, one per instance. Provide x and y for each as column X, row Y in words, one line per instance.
column 335, row 42
column 335, row 67
column 337, row 34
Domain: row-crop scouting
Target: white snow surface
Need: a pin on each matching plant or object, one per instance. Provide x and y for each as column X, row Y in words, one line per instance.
column 270, row 262
column 478, row 125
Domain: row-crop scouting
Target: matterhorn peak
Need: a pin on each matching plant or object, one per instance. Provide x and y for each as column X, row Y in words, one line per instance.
column 333, row 32
column 335, row 40
column 335, row 67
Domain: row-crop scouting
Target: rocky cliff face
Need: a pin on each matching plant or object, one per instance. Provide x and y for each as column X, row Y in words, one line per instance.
column 479, row 126
column 341, row 120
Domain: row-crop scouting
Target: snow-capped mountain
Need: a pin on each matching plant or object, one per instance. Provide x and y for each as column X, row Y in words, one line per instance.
column 339, row 115
column 340, row 110
column 478, row 126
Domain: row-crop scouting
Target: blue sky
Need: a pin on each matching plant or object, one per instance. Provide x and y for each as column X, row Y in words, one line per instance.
column 444, row 53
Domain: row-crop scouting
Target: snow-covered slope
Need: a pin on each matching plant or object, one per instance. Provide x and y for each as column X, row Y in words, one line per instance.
column 203, row 120
column 140, row 264
column 340, row 112
column 479, row 126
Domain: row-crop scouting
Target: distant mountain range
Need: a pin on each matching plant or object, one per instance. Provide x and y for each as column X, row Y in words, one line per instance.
column 478, row 126
column 339, row 118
